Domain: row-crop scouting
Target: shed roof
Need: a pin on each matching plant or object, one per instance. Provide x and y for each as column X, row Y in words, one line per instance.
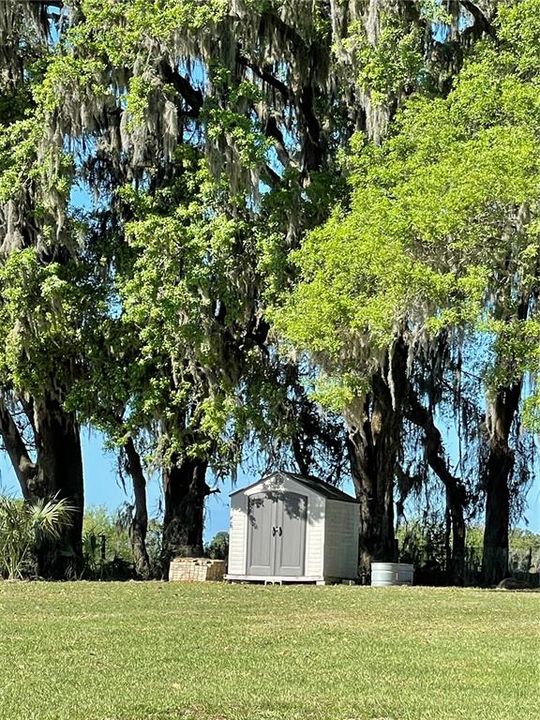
column 313, row 483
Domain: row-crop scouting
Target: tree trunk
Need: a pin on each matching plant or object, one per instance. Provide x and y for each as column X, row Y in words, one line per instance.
column 373, row 491
column 495, row 550
column 497, row 472
column 139, row 525
column 456, row 501
column 59, row 461
column 56, row 472
column 185, row 490
column 373, row 449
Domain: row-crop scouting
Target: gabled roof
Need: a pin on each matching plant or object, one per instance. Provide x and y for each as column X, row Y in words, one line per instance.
column 318, row 486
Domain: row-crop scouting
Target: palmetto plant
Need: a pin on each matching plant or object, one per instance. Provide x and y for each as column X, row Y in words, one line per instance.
column 23, row 525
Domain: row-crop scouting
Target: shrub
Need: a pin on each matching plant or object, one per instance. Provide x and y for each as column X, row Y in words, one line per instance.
column 107, row 549
column 23, row 526
column 422, row 542
column 218, row 547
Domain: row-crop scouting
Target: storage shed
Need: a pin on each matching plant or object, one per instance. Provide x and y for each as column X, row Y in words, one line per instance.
column 289, row 527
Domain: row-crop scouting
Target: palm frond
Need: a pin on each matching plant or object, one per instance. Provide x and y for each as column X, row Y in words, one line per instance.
column 23, row 525
column 50, row 517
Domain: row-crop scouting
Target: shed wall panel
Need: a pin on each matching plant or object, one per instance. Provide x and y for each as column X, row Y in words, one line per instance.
column 238, row 535
column 315, row 535
column 341, row 540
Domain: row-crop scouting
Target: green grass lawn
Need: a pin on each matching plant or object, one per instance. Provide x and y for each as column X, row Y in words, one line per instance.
column 111, row 651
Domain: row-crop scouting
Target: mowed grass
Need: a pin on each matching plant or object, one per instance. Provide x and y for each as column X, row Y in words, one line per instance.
column 134, row 651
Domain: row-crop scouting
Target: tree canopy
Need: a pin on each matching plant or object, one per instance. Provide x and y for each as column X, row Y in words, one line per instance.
column 302, row 230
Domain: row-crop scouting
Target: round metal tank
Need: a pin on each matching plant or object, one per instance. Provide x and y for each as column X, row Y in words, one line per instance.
column 384, row 574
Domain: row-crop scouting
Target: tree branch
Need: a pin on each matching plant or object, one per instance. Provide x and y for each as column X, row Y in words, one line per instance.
column 271, row 176
column 435, row 455
column 16, row 449
column 192, row 96
column 272, row 130
column 481, row 21
column 265, row 75
column 312, row 143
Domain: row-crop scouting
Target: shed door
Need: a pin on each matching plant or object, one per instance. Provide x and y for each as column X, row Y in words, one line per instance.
column 277, row 534
column 291, row 511
column 261, row 511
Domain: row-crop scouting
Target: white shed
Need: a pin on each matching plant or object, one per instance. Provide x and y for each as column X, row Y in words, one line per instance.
column 289, row 527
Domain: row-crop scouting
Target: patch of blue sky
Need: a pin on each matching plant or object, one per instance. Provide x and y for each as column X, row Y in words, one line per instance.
column 79, row 198
column 194, row 69
column 441, row 31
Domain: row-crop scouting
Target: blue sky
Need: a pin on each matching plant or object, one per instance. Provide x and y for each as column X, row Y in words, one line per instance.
column 102, row 487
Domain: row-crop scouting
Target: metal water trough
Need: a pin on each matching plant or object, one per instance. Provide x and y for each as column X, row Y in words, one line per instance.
column 384, row 574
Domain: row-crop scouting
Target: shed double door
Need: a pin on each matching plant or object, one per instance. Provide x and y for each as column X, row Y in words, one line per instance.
column 276, row 534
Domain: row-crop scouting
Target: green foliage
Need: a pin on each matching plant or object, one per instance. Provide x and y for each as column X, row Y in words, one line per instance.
column 45, row 290
column 23, row 526
column 441, row 235
column 35, row 180
column 435, row 11
column 218, row 547
column 185, row 297
column 103, row 531
column 123, row 27
column 180, row 270
column 519, row 27
column 524, row 548
column 393, row 64
column 107, row 548
column 229, row 125
column 207, row 132
column 160, row 303
column 423, row 542
column 43, row 312
column 110, row 55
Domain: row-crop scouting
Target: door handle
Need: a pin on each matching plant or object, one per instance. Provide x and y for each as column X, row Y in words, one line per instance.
column 280, row 531
column 274, row 531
